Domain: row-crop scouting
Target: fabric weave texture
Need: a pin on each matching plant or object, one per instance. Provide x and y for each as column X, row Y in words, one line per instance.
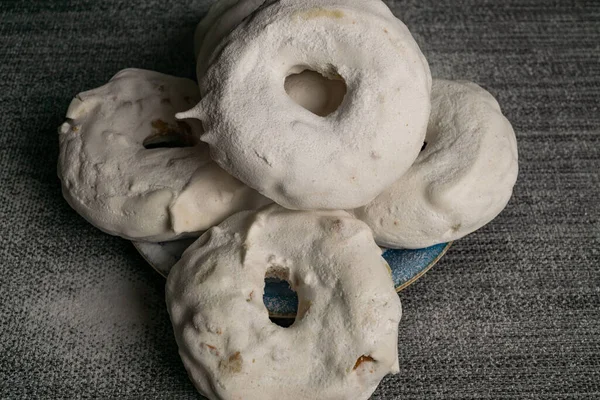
column 511, row 312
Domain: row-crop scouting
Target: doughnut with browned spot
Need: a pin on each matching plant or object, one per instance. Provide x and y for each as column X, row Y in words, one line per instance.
column 344, row 338
column 131, row 169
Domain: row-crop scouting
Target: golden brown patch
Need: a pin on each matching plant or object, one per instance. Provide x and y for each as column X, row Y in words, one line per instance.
column 159, row 126
column 363, row 359
column 74, row 128
column 385, row 30
column 250, row 296
column 321, row 13
column 233, row 364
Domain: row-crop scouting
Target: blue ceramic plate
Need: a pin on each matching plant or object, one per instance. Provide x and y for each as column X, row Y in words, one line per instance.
column 407, row 266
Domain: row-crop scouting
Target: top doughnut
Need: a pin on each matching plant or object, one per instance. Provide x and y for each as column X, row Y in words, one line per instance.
column 297, row 158
column 462, row 179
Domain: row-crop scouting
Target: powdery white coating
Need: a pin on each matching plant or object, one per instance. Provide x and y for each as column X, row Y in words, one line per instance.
column 344, row 339
column 461, row 180
column 299, row 159
column 309, row 89
column 113, row 181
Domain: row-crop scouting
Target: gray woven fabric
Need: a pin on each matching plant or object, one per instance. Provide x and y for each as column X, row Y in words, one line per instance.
column 512, row 311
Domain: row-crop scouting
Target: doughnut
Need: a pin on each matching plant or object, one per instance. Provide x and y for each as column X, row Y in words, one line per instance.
column 299, row 159
column 462, row 179
column 114, row 174
column 344, row 338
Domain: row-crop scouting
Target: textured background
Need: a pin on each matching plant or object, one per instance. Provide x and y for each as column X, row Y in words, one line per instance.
column 512, row 311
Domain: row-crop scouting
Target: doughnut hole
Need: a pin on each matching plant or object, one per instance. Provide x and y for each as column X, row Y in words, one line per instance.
column 316, row 93
column 277, row 279
column 165, row 135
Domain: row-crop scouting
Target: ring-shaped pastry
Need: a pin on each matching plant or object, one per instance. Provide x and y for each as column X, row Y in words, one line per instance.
column 344, row 338
column 299, row 159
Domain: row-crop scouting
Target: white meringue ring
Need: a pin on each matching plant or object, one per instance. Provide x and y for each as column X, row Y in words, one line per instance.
column 297, row 158
column 344, row 338
column 115, row 177
column 462, row 179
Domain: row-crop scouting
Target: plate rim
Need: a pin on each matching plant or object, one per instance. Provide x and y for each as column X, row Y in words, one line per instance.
column 424, row 270
column 290, row 316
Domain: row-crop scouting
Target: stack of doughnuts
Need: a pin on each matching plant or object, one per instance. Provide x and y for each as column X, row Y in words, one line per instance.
column 314, row 136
